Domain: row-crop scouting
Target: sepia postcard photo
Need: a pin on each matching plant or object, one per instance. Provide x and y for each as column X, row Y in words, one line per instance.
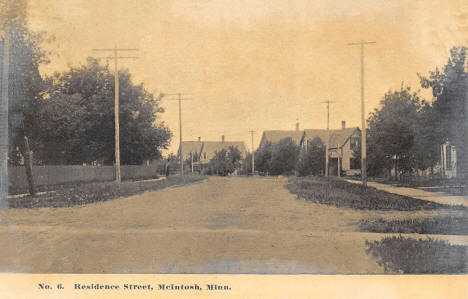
column 232, row 137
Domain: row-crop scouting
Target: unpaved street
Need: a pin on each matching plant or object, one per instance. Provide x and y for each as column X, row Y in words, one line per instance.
column 220, row 225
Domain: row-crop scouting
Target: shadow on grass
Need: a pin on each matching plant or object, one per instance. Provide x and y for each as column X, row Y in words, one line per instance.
column 95, row 192
column 442, row 225
column 418, row 256
column 336, row 192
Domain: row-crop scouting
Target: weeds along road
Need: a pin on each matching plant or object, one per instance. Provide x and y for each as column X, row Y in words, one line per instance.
column 219, row 225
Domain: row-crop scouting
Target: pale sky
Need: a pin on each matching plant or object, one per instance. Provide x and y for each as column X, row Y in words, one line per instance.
column 260, row 65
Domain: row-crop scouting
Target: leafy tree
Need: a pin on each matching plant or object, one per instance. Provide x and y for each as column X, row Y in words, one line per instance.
column 263, row 158
column 75, row 118
column 284, row 157
column 220, row 164
column 392, row 130
column 312, row 160
column 450, row 88
column 246, row 165
column 234, row 156
column 428, row 138
column 225, row 162
column 24, row 80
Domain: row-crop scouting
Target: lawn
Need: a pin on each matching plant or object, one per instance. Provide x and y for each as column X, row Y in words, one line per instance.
column 337, row 192
column 94, row 192
column 418, row 256
column 442, row 225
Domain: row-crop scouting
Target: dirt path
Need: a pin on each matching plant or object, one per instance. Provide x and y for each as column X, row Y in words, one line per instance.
column 438, row 197
column 220, row 225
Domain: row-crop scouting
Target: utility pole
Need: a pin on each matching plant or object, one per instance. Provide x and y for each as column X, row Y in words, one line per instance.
column 180, row 99
column 253, row 152
column 328, row 135
column 116, row 105
column 363, row 115
column 4, row 123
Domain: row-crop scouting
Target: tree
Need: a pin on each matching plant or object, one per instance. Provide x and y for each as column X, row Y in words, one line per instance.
column 312, row 160
column 428, row 138
column 75, row 118
column 450, row 88
column 284, row 157
column 234, row 156
column 225, row 162
column 24, row 81
column 263, row 158
column 246, row 165
column 392, row 131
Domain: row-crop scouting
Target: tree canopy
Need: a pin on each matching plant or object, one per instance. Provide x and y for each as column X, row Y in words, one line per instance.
column 450, row 89
column 399, row 132
column 74, row 119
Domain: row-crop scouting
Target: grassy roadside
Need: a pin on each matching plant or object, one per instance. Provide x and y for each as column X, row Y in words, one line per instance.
column 441, row 225
column 418, row 256
column 94, row 192
column 334, row 191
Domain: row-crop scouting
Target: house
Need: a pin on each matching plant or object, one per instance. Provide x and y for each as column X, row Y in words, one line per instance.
column 274, row 136
column 201, row 152
column 448, row 160
column 342, row 143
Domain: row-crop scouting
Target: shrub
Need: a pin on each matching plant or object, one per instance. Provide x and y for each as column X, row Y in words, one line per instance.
column 418, row 256
column 334, row 191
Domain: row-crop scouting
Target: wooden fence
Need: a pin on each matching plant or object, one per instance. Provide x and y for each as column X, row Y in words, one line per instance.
column 68, row 174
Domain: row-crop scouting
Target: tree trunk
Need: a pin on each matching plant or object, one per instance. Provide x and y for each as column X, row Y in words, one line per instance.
column 396, row 168
column 28, row 162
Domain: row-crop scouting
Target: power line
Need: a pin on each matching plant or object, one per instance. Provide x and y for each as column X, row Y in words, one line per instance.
column 328, row 135
column 116, row 57
column 363, row 115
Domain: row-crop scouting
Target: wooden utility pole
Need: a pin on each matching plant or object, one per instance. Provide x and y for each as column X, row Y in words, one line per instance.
column 328, row 136
column 4, row 123
column 253, row 152
column 116, row 106
column 179, row 99
column 363, row 115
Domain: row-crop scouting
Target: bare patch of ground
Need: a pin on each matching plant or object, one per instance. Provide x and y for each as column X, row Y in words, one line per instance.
column 220, row 225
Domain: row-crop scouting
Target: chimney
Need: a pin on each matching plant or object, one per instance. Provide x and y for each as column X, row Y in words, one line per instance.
column 343, row 124
column 297, row 127
column 199, row 138
column 222, row 138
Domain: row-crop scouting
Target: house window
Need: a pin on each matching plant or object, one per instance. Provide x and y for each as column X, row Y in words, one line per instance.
column 354, row 163
column 354, row 142
column 449, row 157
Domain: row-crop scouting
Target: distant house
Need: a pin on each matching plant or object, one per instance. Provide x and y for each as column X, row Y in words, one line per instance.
column 201, row 152
column 448, row 160
column 274, row 136
column 342, row 143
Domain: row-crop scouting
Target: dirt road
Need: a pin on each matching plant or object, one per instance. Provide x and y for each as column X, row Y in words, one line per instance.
column 220, row 225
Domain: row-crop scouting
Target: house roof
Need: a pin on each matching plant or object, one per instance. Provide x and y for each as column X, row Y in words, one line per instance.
column 312, row 133
column 337, row 137
column 275, row 136
column 210, row 147
column 190, row 147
